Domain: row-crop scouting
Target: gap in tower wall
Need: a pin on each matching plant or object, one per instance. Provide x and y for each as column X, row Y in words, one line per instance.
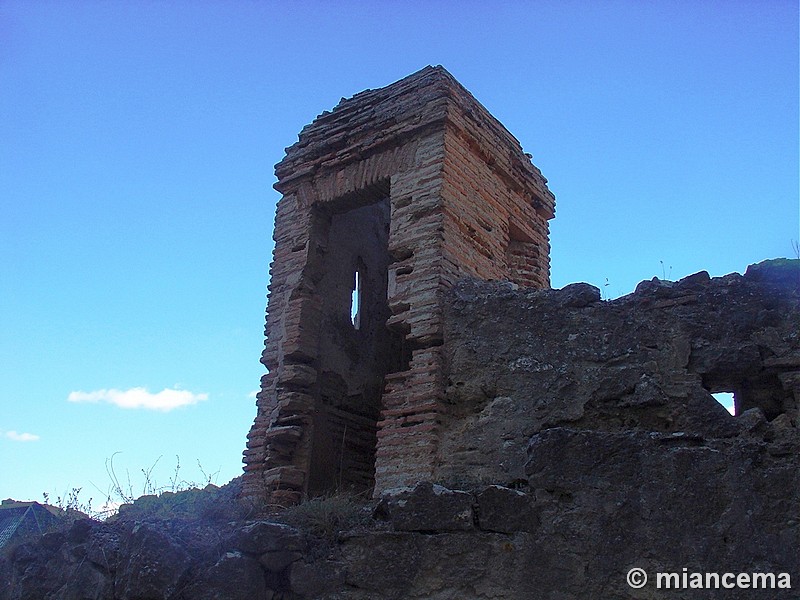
column 354, row 357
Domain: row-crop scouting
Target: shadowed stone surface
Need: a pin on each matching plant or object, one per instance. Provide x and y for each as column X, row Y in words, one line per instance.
column 427, row 507
column 521, row 362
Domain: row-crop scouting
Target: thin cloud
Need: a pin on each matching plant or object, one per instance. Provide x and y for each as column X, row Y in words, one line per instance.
column 164, row 401
column 21, row 437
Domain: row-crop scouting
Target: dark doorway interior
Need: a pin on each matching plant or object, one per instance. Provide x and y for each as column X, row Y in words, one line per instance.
column 356, row 349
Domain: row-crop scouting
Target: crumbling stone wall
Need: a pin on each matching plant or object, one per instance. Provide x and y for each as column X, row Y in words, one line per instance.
column 405, row 189
column 523, row 362
column 582, row 442
column 379, row 377
column 587, row 517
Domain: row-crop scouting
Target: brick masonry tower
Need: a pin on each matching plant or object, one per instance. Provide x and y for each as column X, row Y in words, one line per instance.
column 387, row 201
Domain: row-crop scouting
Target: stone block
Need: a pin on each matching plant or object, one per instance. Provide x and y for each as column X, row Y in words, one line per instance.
column 505, row 510
column 263, row 537
column 428, row 507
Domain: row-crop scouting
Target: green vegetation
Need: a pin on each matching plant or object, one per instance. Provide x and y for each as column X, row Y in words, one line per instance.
column 327, row 516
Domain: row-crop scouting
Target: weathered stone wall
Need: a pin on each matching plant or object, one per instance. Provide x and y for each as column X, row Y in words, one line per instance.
column 521, row 362
column 597, row 504
column 581, row 442
column 463, row 200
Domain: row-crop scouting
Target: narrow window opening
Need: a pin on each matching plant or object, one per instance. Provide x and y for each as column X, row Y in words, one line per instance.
column 356, row 296
column 727, row 400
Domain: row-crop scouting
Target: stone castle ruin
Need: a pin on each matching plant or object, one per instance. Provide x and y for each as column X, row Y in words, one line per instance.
column 387, row 368
column 519, row 441
column 388, row 200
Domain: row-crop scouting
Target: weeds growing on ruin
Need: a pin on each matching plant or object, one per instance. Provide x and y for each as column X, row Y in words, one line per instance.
column 70, row 502
column 122, row 490
column 665, row 275
column 326, row 516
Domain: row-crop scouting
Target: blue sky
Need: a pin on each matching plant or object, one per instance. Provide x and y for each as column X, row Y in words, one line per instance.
column 137, row 144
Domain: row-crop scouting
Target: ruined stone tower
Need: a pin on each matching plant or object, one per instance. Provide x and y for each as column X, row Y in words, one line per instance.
column 387, row 201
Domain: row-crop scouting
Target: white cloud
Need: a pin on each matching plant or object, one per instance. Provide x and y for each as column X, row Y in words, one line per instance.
column 21, row 437
column 165, row 400
column 253, row 394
